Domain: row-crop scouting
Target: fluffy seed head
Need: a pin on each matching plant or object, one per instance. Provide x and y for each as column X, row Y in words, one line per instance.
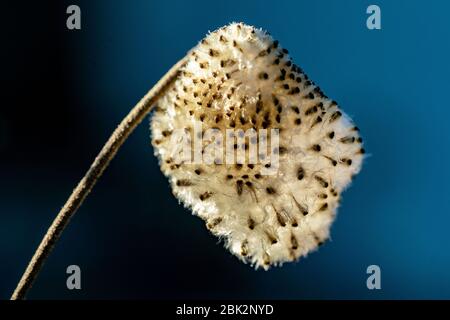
column 239, row 78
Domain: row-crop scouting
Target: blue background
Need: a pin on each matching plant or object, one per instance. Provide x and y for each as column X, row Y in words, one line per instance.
column 133, row 240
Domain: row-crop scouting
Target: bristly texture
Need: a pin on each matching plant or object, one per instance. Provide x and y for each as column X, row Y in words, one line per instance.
column 238, row 77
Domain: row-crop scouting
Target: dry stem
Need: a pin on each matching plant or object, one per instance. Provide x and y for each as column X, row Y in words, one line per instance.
column 109, row 150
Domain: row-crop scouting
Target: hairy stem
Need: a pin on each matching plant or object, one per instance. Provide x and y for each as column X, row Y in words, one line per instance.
column 109, row 150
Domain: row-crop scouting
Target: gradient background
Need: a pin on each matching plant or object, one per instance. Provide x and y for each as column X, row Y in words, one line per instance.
column 63, row 92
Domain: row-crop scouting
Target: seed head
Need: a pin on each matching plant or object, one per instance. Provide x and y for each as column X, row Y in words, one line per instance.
column 280, row 205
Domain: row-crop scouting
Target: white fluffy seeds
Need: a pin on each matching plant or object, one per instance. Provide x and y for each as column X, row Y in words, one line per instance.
column 238, row 77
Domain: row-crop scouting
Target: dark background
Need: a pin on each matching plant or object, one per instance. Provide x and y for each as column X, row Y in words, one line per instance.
column 63, row 92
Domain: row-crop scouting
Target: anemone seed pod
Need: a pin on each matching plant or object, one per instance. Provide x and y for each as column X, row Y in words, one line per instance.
column 239, row 80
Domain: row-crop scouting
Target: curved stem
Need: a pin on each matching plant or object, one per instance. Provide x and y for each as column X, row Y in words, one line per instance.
column 109, row 150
